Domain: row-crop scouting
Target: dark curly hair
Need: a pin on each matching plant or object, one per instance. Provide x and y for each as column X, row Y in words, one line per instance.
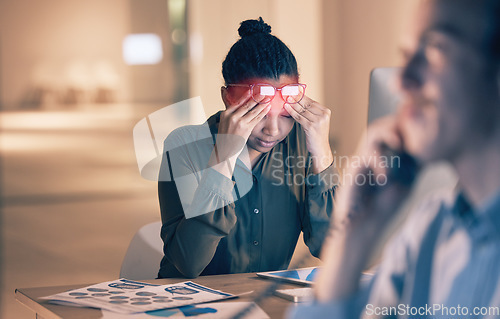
column 257, row 54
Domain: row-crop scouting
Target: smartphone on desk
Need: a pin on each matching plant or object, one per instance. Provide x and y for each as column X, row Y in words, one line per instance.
column 296, row 294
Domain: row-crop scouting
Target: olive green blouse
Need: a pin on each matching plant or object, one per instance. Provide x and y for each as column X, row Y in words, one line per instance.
column 216, row 225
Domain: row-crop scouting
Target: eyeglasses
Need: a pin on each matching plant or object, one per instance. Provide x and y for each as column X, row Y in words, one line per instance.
column 264, row 93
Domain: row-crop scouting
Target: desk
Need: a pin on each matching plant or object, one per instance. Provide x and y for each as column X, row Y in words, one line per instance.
column 275, row 307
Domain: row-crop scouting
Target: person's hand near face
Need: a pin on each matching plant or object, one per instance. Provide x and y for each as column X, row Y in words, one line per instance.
column 364, row 210
column 242, row 114
column 315, row 120
column 367, row 207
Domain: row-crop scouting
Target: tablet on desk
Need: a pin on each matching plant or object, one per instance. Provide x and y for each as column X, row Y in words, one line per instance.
column 304, row 276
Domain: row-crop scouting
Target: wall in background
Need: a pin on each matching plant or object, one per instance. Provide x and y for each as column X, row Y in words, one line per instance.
column 152, row 83
column 70, row 47
column 70, row 52
column 358, row 35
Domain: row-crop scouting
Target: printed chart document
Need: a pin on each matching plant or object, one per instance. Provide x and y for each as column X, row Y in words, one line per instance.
column 127, row 296
column 213, row 310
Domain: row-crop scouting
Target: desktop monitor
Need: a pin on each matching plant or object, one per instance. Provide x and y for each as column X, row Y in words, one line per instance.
column 383, row 98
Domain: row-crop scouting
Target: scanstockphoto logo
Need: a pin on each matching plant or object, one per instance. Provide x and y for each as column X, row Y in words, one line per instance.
column 360, row 170
column 362, row 166
column 431, row 311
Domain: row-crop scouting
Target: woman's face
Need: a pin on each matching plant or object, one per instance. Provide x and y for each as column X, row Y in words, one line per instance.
column 276, row 125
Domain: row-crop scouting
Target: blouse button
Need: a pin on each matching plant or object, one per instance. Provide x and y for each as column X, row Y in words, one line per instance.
column 256, row 211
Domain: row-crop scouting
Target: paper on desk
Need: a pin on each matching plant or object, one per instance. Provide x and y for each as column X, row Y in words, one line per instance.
column 219, row 310
column 127, row 296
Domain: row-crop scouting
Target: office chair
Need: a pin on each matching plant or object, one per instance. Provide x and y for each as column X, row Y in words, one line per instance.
column 144, row 253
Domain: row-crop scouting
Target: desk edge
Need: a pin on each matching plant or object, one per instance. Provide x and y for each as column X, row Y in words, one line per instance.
column 35, row 306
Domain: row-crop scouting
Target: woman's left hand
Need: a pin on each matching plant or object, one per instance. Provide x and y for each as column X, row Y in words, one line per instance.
column 315, row 120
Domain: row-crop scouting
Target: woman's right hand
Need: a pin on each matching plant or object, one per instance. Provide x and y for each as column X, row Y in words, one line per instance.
column 236, row 124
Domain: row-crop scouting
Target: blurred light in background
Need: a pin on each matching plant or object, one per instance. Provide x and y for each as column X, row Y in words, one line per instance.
column 177, row 11
column 141, row 49
column 196, row 48
column 178, row 21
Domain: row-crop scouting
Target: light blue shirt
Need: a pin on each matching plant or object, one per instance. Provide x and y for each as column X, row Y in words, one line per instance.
column 444, row 263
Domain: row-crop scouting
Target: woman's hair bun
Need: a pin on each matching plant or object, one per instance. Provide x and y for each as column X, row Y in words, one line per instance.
column 250, row 27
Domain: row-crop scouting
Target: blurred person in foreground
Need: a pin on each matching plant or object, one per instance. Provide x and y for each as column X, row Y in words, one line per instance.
column 445, row 261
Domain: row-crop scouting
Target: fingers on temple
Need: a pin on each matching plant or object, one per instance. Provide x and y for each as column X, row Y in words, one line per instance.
column 297, row 112
column 260, row 115
column 312, row 106
column 243, row 101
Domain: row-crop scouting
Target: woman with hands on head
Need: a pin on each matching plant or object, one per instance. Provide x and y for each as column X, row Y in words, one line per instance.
column 271, row 134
